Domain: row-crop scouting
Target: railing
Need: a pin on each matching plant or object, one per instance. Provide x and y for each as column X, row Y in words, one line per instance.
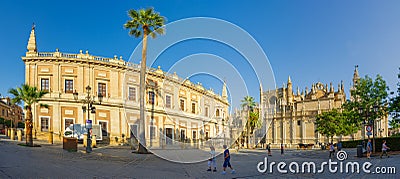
column 125, row 63
column 69, row 55
column 45, row 54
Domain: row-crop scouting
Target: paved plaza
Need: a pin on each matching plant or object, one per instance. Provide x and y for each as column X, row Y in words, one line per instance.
column 51, row 161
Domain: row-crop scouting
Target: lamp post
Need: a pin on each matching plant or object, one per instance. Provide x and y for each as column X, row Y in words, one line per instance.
column 89, row 101
column 370, row 122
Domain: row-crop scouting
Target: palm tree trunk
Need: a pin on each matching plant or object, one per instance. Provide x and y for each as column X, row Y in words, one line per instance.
column 142, row 136
column 248, row 129
column 29, row 126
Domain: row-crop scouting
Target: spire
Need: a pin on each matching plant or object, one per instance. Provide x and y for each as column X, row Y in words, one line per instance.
column 331, row 90
column 355, row 75
column 341, row 86
column 32, row 41
column 289, row 81
column 224, row 92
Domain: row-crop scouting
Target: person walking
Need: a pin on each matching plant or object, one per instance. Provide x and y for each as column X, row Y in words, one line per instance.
column 384, row 149
column 282, row 149
column 227, row 163
column 212, row 160
column 339, row 145
column 269, row 149
column 369, row 148
column 331, row 150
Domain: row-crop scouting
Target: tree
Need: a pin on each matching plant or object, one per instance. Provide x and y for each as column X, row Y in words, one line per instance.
column 327, row 123
column 30, row 95
column 394, row 107
column 248, row 104
column 368, row 94
column 144, row 22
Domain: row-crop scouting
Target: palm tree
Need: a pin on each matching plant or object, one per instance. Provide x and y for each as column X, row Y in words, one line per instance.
column 248, row 104
column 144, row 22
column 29, row 95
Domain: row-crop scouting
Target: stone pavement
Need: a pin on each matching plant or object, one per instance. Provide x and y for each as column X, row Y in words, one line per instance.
column 51, row 161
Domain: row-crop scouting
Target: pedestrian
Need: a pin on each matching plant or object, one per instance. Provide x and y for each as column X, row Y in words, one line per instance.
column 269, row 149
column 331, row 150
column 384, row 149
column 282, row 149
column 212, row 160
column 369, row 148
column 339, row 145
column 227, row 163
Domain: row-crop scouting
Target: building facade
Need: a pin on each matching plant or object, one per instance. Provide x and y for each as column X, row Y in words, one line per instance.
column 289, row 118
column 176, row 109
column 10, row 112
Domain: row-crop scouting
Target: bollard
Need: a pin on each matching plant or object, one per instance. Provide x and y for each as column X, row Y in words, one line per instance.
column 8, row 132
column 51, row 137
column 84, row 140
column 94, row 142
column 19, row 135
column 12, row 132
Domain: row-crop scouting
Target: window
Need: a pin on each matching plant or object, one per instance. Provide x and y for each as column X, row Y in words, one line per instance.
column 68, row 122
column 103, row 125
column 44, row 123
column 207, row 136
column 298, row 123
column 206, row 112
column 151, row 97
column 132, row 93
column 102, row 89
column 153, row 132
column 44, row 82
column 182, row 104
column 217, row 112
column 69, row 86
column 134, row 130
column 194, row 108
column 168, row 101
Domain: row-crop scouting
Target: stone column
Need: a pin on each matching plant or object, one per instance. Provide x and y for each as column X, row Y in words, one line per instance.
column 303, row 128
column 12, row 134
column 94, row 142
column 51, row 137
column 19, row 134
column 84, row 140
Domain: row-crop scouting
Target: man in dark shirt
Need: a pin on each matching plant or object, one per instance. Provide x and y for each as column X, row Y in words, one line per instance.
column 227, row 163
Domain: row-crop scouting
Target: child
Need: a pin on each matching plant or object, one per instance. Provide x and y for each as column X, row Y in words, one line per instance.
column 227, row 158
column 212, row 160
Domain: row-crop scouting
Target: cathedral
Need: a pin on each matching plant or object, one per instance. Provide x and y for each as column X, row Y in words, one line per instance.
column 289, row 118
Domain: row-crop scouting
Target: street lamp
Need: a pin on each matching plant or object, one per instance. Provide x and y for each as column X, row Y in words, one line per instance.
column 370, row 122
column 89, row 101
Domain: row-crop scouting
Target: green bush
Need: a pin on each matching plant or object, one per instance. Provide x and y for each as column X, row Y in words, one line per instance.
column 392, row 142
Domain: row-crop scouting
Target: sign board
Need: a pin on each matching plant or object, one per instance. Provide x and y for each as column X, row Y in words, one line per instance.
column 88, row 124
column 77, row 131
column 368, row 128
column 369, row 133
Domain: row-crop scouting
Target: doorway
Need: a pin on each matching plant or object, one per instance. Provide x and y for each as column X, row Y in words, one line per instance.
column 168, row 134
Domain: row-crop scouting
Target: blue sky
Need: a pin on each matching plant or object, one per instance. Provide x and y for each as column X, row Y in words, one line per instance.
column 309, row 40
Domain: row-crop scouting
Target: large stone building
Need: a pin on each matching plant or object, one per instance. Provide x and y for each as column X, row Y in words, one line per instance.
column 177, row 109
column 10, row 112
column 290, row 117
